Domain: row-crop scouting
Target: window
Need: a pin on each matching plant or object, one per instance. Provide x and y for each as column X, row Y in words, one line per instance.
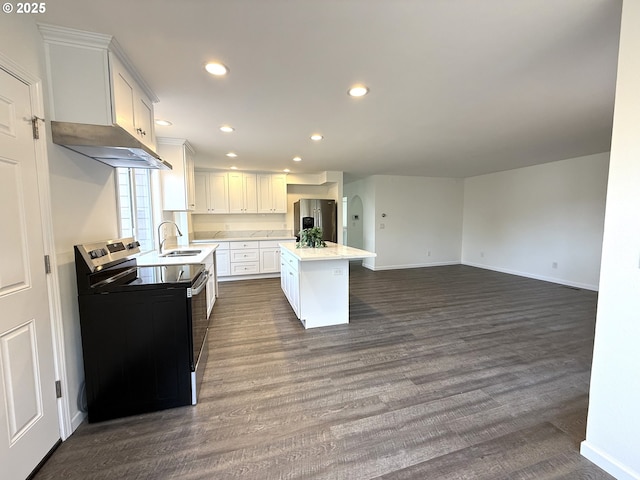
column 134, row 205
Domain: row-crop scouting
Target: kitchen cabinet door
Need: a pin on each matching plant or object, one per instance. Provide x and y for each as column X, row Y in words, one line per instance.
column 272, row 193
column 123, row 96
column 178, row 184
column 242, row 192
column 218, row 193
column 132, row 108
column 279, row 193
column 211, row 194
column 143, row 119
column 201, row 192
column 211, row 283
column 223, row 264
column 269, row 260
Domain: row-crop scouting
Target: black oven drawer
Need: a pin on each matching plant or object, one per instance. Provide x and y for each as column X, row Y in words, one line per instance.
column 137, row 352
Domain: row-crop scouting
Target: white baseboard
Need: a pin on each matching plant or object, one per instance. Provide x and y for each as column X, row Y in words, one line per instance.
column 560, row 281
column 413, row 265
column 257, row 276
column 77, row 419
column 607, row 463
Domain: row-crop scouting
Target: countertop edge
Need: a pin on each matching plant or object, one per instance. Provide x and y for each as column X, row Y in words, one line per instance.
column 350, row 253
column 153, row 259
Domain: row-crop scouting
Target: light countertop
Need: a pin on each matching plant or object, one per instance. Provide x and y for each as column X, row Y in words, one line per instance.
column 332, row 251
column 152, row 258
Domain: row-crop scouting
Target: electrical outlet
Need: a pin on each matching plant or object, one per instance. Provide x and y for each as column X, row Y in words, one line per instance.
column 481, row 254
column 429, row 253
column 337, row 271
column 382, row 226
column 554, row 265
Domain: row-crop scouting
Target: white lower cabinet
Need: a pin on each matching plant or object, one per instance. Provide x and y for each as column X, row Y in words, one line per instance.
column 211, row 283
column 222, row 259
column 289, row 280
column 249, row 257
column 244, row 257
column 269, row 256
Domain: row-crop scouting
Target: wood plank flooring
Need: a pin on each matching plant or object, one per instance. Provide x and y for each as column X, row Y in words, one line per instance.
column 443, row 373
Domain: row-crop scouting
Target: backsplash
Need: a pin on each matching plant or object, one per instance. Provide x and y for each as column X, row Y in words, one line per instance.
column 246, row 222
column 244, row 234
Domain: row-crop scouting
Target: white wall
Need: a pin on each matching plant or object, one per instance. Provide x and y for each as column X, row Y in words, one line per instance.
column 526, row 220
column 82, row 197
column 422, row 222
column 613, row 424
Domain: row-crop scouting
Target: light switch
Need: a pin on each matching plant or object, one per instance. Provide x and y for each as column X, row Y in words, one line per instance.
column 382, row 226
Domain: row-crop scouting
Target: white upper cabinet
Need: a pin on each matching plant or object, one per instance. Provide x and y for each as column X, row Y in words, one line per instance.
column 178, row 184
column 91, row 80
column 242, row 192
column 211, row 192
column 272, row 193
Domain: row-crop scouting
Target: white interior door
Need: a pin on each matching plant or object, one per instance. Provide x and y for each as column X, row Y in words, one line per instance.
column 28, row 411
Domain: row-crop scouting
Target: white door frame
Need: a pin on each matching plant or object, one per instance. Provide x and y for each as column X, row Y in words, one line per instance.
column 53, row 285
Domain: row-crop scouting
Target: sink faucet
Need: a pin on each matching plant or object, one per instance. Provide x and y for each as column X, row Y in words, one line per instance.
column 162, row 240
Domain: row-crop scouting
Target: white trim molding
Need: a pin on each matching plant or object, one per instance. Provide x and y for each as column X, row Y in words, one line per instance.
column 607, row 463
column 53, row 285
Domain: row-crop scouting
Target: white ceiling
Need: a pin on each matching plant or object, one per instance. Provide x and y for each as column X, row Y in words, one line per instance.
column 457, row 87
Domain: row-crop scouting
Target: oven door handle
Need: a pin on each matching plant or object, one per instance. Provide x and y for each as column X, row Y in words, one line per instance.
column 118, row 276
column 196, row 289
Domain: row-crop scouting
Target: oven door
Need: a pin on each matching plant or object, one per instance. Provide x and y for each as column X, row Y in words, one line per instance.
column 199, row 325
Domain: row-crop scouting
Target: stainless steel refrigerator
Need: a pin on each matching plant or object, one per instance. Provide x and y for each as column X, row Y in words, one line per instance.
column 311, row 212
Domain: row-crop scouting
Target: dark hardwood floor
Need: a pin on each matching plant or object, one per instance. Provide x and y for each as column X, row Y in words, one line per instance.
column 443, row 373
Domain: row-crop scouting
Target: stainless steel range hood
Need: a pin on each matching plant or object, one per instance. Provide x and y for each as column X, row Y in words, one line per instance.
column 110, row 144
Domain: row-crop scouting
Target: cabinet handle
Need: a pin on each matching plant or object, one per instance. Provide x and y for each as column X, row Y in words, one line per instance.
column 141, row 132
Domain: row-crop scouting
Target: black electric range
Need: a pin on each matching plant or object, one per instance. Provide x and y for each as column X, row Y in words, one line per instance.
column 143, row 328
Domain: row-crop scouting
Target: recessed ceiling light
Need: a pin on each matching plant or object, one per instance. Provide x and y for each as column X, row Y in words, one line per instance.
column 217, row 69
column 163, row 123
column 232, row 155
column 358, row 91
column 297, row 159
column 286, row 170
column 316, row 137
column 233, row 167
column 226, row 129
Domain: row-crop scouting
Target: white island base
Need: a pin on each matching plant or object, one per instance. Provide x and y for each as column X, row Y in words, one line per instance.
column 316, row 282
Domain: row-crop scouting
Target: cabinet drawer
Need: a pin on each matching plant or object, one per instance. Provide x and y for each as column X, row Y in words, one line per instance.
column 242, row 245
column 289, row 259
column 245, row 268
column 245, row 255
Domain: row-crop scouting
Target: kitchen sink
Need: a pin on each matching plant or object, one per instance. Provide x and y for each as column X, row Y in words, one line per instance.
column 181, row 253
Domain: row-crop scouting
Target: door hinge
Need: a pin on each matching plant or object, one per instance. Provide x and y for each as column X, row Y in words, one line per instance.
column 58, row 389
column 36, row 127
column 47, row 264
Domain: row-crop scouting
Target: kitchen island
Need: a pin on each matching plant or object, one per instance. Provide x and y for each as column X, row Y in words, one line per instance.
column 316, row 282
